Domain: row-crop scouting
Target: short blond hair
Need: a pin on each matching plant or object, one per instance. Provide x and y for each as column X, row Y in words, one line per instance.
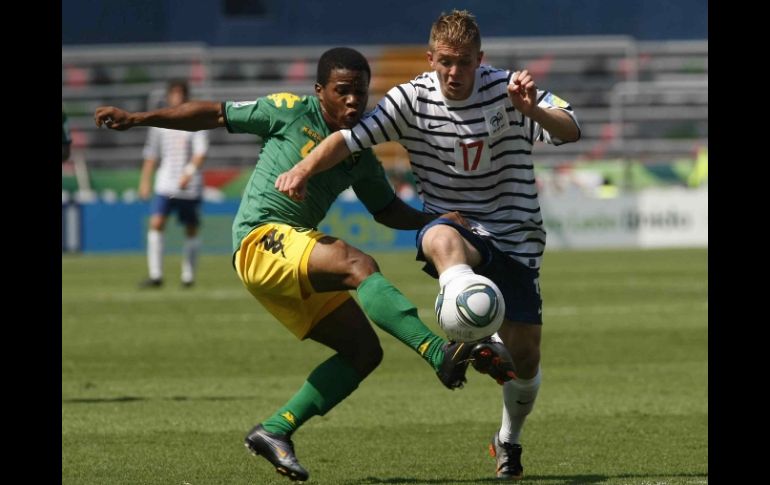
column 457, row 28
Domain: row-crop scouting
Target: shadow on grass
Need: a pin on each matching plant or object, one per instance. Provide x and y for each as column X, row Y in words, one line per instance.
column 96, row 400
column 561, row 479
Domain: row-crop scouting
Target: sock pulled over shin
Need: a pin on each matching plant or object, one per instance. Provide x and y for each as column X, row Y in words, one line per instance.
column 519, row 398
column 389, row 309
column 325, row 387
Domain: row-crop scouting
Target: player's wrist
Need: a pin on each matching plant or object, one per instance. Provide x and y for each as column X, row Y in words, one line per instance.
column 190, row 169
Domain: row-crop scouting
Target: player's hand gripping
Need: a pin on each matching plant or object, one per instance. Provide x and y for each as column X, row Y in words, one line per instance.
column 523, row 92
column 455, row 216
column 113, row 118
column 293, row 183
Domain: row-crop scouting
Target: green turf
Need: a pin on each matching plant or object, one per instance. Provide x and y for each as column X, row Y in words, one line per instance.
column 160, row 386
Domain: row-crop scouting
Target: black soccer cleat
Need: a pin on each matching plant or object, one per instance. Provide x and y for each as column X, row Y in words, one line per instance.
column 151, row 283
column 456, row 359
column 508, row 456
column 278, row 449
column 188, row 284
column 491, row 357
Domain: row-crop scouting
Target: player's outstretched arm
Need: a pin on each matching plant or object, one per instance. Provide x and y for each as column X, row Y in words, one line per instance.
column 329, row 153
column 190, row 116
column 400, row 215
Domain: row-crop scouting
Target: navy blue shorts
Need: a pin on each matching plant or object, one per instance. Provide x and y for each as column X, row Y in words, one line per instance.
column 187, row 209
column 518, row 283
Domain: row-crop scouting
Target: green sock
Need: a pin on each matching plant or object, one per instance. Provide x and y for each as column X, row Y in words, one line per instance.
column 327, row 385
column 391, row 311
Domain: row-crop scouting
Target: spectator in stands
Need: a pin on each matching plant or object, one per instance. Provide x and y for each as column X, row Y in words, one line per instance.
column 178, row 156
column 66, row 138
column 302, row 276
column 469, row 130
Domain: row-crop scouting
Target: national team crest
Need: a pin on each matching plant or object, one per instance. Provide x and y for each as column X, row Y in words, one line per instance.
column 496, row 119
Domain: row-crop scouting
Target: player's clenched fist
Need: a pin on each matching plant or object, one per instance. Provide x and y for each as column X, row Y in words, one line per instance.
column 113, row 118
column 523, row 92
column 292, row 183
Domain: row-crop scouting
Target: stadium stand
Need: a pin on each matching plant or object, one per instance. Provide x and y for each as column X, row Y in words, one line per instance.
column 646, row 101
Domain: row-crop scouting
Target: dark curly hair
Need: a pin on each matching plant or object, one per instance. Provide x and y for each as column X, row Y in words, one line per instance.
column 340, row 58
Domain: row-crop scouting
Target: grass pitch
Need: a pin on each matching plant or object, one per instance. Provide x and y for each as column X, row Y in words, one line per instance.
column 160, row 386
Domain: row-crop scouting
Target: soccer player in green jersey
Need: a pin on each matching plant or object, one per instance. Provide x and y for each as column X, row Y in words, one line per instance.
column 301, row 275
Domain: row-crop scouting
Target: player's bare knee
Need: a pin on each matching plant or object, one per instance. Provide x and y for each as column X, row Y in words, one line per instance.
column 360, row 266
column 371, row 358
column 441, row 239
column 365, row 357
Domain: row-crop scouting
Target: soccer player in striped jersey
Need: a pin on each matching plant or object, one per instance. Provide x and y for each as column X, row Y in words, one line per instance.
column 301, row 275
column 178, row 156
column 469, row 130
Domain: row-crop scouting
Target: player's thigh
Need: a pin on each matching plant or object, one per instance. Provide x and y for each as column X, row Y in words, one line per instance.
column 519, row 285
column 474, row 249
column 272, row 260
column 272, row 264
column 160, row 208
column 442, row 238
column 301, row 315
column 336, row 265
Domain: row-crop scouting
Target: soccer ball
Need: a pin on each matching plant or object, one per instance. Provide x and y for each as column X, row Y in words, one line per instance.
column 470, row 308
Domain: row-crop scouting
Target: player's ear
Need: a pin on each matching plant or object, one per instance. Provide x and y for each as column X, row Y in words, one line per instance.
column 481, row 57
column 429, row 55
column 318, row 88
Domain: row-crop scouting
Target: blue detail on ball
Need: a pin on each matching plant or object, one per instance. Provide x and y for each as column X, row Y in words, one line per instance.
column 466, row 315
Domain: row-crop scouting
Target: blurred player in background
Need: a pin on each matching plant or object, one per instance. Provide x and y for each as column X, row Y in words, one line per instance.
column 178, row 156
column 301, row 275
column 66, row 139
column 469, row 130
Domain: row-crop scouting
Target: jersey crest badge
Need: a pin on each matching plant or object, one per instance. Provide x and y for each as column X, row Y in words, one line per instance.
column 279, row 98
column 496, row 119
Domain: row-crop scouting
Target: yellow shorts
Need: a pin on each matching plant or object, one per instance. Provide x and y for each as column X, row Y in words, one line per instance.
column 272, row 263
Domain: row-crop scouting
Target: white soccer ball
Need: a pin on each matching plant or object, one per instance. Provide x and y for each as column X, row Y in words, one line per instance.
column 470, row 308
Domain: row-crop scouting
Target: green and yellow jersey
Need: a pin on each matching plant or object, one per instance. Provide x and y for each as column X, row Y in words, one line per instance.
column 290, row 127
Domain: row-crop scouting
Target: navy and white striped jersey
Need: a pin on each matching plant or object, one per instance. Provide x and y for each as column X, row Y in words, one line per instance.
column 472, row 156
column 173, row 149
